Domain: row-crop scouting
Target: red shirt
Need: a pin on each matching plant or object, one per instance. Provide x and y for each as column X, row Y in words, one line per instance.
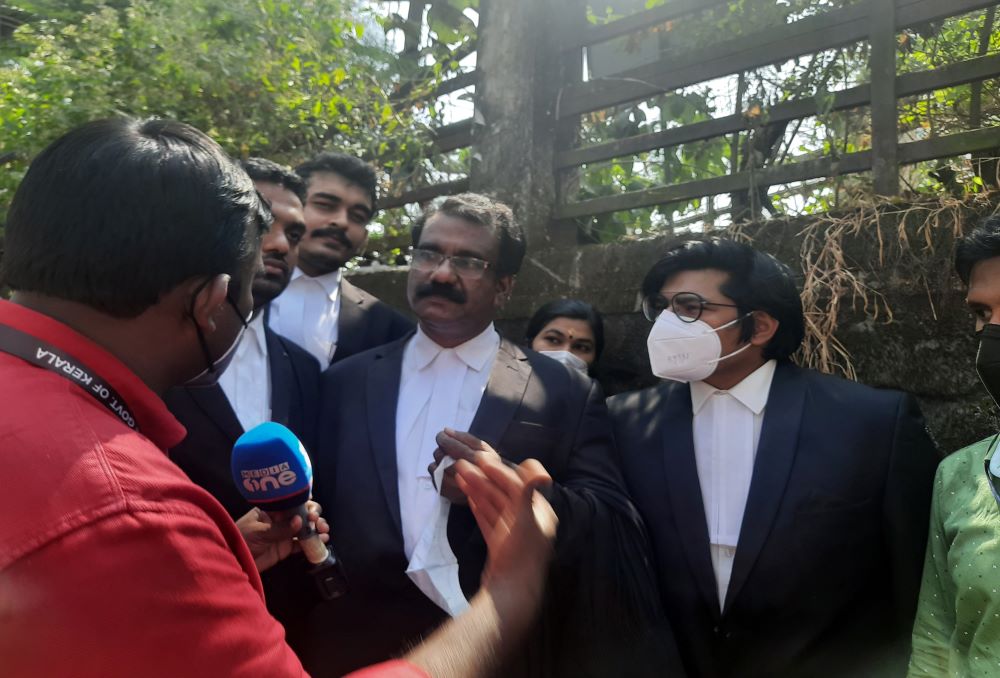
column 112, row 562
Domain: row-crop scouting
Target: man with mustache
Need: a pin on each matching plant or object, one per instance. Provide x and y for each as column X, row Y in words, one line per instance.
column 407, row 539
column 269, row 379
column 321, row 311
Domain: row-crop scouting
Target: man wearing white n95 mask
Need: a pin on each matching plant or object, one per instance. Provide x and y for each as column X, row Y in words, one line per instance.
column 785, row 506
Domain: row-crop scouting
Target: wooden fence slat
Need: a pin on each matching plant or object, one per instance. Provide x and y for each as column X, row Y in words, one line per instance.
column 773, row 45
column 914, row 151
column 807, row 36
column 456, row 83
column 729, row 183
column 949, row 146
column 424, row 194
column 453, row 136
column 909, row 84
column 882, row 64
column 672, row 9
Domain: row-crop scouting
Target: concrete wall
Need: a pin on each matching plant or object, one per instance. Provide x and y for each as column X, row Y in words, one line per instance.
column 927, row 349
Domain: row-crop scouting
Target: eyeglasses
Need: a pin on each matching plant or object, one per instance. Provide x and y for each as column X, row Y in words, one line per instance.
column 470, row 268
column 687, row 305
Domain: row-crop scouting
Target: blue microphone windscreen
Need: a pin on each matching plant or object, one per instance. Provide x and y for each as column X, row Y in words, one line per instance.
column 271, row 468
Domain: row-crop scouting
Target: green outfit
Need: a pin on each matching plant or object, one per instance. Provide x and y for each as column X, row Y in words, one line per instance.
column 957, row 629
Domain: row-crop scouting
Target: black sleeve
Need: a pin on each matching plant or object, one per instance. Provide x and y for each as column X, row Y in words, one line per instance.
column 603, row 613
column 906, row 508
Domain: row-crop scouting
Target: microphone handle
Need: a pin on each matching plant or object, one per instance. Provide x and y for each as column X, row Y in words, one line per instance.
column 312, row 546
column 326, row 569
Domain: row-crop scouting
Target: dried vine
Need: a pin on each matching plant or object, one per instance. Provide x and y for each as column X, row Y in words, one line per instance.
column 834, row 284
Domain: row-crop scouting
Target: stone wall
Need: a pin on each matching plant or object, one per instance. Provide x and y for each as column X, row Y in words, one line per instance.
column 928, row 347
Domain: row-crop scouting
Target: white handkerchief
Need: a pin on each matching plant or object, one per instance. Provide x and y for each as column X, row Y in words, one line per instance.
column 433, row 566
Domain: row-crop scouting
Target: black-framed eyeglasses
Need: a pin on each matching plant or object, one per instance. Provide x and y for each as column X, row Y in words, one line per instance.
column 687, row 305
column 471, row 268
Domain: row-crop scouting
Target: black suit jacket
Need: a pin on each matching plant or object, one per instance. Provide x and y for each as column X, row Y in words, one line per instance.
column 365, row 322
column 828, row 565
column 213, row 428
column 532, row 407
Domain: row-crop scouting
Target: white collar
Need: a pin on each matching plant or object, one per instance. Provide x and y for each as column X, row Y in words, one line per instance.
column 752, row 391
column 330, row 282
column 476, row 352
column 995, row 460
column 255, row 329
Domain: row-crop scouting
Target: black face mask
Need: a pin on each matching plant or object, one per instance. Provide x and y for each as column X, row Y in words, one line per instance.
column 215, row 367
column 988, row 360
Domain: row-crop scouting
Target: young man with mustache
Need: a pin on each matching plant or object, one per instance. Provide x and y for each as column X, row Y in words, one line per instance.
column 405, row 534
column 321, row 311
column 269, row 379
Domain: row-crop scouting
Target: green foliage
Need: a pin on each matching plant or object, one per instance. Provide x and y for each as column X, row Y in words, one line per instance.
column 763, row 143
column 274, row 78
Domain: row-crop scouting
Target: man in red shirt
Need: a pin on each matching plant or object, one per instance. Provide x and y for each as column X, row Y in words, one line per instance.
column 124, row 245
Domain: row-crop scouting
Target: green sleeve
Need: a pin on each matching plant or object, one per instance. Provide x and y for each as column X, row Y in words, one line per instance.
column 935, row 621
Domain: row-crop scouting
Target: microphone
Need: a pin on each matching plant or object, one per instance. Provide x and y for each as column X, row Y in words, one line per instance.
column 272, row 471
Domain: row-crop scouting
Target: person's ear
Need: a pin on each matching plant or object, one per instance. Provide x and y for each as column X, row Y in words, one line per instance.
column 208, row 298
column 505, row 287
column 764, row 328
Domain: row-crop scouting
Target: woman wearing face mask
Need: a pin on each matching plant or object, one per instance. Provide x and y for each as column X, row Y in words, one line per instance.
column 568, row 330
column 957, row 629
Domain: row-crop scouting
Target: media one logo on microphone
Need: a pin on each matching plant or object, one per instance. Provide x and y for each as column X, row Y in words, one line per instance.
column 269, row 478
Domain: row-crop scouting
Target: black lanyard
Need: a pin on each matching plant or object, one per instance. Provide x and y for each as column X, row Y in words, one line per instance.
column 47, row 356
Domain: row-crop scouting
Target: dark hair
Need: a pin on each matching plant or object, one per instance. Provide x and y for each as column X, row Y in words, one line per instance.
column 980, row 244
column 118, row 212
column 757, row 282
column 485, row 211
column 355, row 170
column 568, row 308
column 268, row 171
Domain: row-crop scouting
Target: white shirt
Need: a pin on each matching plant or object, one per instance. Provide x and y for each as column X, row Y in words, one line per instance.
column 247, row 380
column 307, row 312
column 726, row 432
column 438, row 387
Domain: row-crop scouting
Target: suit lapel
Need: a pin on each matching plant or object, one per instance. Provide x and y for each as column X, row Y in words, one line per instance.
column 504, row 392
column 350, row 321
column 684, row 490
column 212, row 401
column 775, row 455
column 282, row 377
column 501, row 400
column 382, row 395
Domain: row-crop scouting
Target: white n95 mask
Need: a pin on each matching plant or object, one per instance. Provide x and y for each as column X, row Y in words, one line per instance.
column 568, row 359
column 684, row 351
